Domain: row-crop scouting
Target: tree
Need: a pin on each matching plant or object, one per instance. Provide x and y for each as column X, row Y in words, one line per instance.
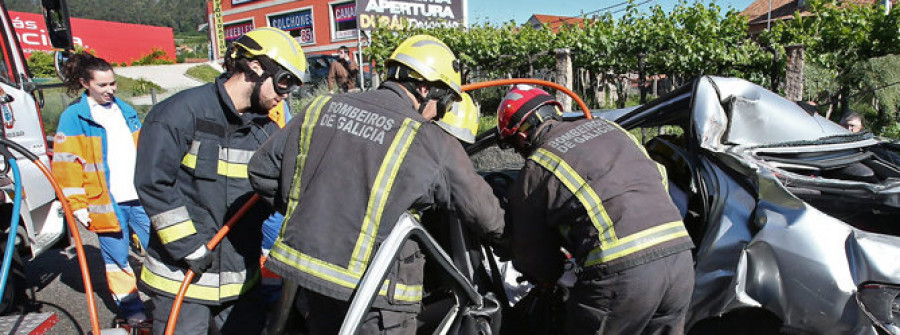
column 41, row 65
column 839, row 36
column 688, row 41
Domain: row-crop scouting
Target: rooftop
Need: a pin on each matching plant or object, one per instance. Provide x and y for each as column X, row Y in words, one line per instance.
column 757, row 12
column 554, row 21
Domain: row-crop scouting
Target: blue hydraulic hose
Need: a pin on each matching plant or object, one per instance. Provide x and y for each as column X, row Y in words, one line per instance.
column 13, row 225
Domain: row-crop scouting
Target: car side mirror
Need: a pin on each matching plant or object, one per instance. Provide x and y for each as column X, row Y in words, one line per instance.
column 59, row 60
column 56, row 16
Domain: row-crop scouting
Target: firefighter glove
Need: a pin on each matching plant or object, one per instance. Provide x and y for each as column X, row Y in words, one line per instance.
column 82, row 216
column 199, row 260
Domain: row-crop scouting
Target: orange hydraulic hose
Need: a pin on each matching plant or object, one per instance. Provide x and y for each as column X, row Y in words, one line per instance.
column 513, row 81
column 189, row 275
column 79, row 248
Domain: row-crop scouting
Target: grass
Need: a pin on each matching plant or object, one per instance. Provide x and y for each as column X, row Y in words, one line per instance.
column 128, row 87
column 487, row 123
column 204, row 73
column 310, row 93
column 56, row 100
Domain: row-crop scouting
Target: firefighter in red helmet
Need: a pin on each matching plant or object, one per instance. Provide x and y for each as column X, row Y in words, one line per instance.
column 588, row 186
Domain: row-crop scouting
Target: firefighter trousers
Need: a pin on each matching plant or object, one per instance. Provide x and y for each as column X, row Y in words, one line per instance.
column 650, row 298
column 246, row 315
column 326, row 315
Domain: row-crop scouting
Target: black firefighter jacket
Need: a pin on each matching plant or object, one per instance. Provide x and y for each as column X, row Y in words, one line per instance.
column 195, row 147
column 362, row 160
column 589, row 186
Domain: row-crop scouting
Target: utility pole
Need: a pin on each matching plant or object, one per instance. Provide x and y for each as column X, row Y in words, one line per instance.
column 642, row 74
column 564, row 76
column 359, row 60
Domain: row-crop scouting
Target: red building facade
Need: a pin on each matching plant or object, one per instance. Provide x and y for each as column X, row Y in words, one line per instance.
column 320, row 26
column 113, row 41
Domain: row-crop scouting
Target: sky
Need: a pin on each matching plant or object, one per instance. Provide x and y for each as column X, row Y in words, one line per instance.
column 500, row 11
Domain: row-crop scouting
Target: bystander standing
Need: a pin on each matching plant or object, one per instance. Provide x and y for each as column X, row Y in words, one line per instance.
column 343, row 72
column 93, row 161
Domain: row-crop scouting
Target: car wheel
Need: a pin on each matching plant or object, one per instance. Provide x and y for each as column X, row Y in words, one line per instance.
column 14, row 295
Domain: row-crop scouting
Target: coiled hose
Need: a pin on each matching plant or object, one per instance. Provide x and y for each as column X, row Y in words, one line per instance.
column 72, row 225
column 13, row 222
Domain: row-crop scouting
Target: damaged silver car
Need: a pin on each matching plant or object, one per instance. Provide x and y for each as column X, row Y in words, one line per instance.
column 795, row 218
column 795, row 221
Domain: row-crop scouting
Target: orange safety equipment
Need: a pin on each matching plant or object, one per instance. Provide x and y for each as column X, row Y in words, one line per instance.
column 518, row 104
column 79, row 166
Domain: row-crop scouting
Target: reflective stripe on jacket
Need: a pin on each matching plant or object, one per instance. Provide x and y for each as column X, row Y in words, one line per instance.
column 200, row 147
column 589, row 186
column 343, row 171
column 79, row 162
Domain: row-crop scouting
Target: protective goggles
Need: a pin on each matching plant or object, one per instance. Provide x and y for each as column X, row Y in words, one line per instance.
column 285, row 82
column 445, row 98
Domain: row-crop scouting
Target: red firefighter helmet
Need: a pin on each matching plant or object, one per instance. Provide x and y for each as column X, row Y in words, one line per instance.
column 518, row 104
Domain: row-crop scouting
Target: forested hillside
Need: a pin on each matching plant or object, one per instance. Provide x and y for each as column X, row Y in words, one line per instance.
column 182, row 15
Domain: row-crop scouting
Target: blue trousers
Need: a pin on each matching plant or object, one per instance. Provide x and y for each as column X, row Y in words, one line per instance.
column 114, row 248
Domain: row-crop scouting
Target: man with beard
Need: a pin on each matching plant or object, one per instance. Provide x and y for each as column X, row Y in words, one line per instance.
column 195, row 147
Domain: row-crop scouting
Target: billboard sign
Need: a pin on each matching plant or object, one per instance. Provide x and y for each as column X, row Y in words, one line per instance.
column 397, row 14
column 233, row 30
column 114, row 41
column 344, row 20
column 299, row 24
column 219, row 27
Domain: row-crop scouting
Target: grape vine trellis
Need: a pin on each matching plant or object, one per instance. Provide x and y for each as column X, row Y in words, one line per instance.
column 689, row 40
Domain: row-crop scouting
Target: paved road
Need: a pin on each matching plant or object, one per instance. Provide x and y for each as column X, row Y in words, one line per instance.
column 56, row 278
column 58, row 287
column 170, row 77
column 55, row 275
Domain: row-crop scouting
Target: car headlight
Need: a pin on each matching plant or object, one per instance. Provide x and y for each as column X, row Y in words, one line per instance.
column 881, row 303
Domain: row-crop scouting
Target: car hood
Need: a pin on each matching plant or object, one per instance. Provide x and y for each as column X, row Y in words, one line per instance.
column 730, row 111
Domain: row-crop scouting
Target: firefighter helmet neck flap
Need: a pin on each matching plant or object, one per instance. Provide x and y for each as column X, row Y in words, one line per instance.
column 278, row 54
column 424, row 59
column 522, row 111
column 461, row 120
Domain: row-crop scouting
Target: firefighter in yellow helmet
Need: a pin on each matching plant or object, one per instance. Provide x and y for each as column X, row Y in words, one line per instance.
column 461, row 120
column 345, row 169
column 196, row 145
